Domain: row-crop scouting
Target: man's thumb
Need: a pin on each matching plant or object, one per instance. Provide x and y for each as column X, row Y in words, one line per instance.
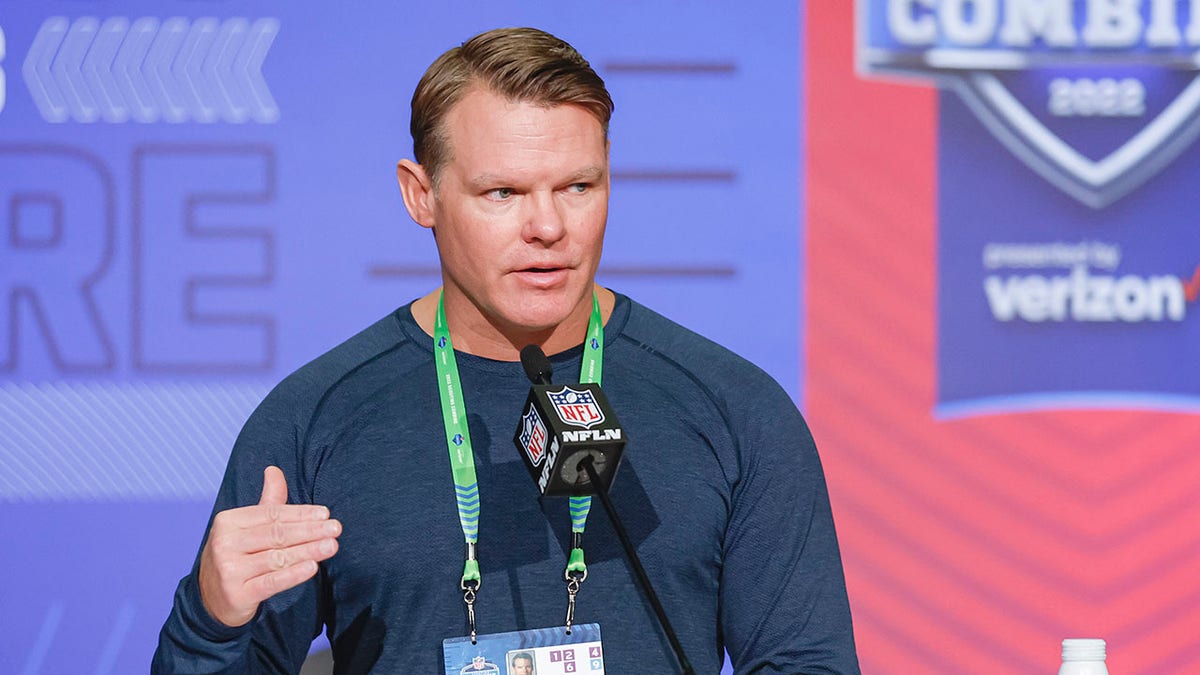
column 274, row 487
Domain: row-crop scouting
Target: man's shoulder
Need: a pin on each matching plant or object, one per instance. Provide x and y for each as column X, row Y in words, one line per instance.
column 305, row 387
column 662, row 339
column 669, row 367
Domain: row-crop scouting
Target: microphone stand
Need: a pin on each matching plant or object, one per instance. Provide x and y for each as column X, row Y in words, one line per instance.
column 636, row 563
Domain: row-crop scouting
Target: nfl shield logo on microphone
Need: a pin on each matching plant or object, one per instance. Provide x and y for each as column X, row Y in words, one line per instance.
column 533, row 435
column 577, row 408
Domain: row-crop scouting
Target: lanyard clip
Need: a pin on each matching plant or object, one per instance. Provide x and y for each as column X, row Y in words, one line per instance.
column 572, row 590
column 574, row 575
column 469, row 589
column 471, row 581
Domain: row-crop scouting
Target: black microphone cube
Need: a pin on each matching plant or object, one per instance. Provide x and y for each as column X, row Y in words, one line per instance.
column 561, row 425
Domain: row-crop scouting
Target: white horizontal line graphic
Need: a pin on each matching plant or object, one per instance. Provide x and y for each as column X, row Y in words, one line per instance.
column 101, row 441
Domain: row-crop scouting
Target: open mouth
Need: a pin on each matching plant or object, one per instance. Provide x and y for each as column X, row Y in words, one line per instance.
column 543, row 277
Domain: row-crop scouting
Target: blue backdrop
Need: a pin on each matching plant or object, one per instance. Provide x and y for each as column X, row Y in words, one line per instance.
column 199, row 196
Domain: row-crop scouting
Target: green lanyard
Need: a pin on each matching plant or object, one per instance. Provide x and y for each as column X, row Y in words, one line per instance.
column 462, row 457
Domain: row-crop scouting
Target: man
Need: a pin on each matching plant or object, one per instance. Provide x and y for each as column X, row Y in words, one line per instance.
column 521, row 664
column 720, row 486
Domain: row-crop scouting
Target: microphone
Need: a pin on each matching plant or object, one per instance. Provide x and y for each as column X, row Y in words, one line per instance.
column 571, row 442
column 536, row 364
column 561, row 426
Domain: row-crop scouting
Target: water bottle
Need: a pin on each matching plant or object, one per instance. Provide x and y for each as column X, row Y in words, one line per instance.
column 1083, row 657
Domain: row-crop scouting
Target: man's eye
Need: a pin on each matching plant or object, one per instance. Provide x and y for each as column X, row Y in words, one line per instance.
column 579, row 187
column 500, row 194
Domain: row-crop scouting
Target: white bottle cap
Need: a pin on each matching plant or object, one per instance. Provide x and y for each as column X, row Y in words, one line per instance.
column 1083, row 649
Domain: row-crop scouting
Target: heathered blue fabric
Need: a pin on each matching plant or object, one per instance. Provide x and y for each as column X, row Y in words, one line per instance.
column 720, row 487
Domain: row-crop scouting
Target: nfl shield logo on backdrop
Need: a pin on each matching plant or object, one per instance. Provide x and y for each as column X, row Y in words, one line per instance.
column 1096, row 96
column 577, row 408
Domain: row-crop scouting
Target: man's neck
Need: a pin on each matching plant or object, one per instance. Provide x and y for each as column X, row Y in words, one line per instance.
column 505, row 344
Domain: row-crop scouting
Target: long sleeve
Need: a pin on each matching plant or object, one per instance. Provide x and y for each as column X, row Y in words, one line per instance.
column 278, row 638
column 783, row 592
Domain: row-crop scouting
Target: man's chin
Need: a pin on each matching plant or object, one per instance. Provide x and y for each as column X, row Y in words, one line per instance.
column 542, row 315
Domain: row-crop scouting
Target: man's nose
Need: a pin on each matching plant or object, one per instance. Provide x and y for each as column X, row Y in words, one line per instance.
column 544, row 219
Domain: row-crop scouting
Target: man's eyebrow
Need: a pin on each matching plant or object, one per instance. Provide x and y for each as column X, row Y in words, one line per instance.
column 589, row 173
column 485, row 181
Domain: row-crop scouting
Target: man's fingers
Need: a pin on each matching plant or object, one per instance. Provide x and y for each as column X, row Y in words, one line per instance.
column 280, row 534
column 274, row 486
column 266, row 585
column 260, row 514
column 277, row 559
column 256, row 551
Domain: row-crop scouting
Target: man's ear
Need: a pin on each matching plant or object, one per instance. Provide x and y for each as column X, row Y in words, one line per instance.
column 417, row 190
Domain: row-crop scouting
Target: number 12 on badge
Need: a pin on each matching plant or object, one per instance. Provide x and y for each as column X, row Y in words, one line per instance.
column 544, row 651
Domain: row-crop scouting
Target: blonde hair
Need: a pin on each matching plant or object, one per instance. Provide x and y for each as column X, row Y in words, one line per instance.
column 521, row 64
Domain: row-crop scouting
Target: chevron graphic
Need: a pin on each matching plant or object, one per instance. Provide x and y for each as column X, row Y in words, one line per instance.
column 468, row 510
column 178, row 70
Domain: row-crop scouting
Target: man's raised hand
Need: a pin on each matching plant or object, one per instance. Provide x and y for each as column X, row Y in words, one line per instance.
column 254, row 552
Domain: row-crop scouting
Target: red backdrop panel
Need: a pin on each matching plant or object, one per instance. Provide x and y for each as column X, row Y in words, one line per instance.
column 970, row 545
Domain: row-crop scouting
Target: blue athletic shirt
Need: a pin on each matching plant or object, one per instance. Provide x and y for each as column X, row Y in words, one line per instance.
column 720, row 488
